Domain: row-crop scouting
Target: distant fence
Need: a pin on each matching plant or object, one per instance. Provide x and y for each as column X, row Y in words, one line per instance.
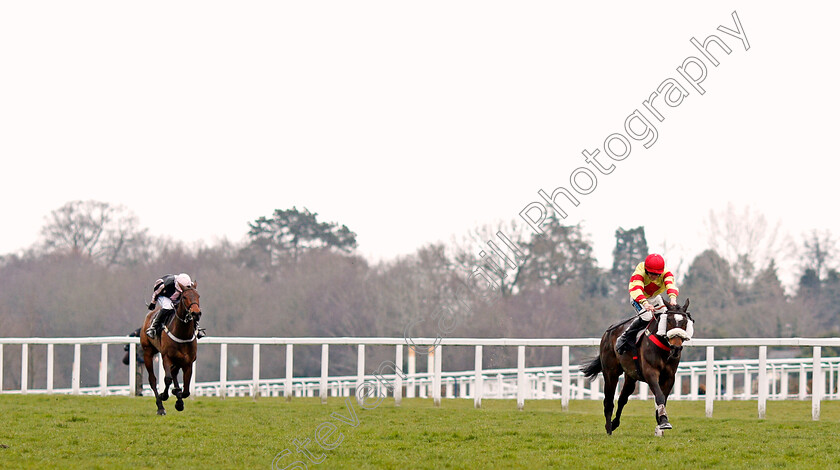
column 763, row 379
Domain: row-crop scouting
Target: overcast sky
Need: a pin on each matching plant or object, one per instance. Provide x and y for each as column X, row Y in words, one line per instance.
column 413, row 122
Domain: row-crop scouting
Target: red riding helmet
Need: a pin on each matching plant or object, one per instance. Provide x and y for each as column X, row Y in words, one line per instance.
column 655, row 264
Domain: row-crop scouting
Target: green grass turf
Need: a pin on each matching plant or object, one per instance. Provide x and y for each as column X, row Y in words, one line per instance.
column 118, row 432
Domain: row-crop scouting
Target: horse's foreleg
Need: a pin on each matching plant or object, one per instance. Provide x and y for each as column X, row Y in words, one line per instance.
column 176, row 389
column 187, row 378
column 652, row 378
column 627, row 390
column 667, row 383
column 148, row 359
column 167, row 380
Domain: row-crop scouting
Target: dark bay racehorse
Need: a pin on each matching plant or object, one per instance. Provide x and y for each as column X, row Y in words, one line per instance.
column 177, row 346
column 654, row 362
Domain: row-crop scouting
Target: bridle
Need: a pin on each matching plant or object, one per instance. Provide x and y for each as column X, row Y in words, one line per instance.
column 188, row 318
column 189, row 315
column 667, row 346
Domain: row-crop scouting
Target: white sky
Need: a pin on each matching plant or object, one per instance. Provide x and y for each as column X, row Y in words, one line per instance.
column 411, row 123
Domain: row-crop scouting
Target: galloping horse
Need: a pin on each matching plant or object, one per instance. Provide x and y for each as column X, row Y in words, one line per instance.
column 177, row 346
column 655, row 362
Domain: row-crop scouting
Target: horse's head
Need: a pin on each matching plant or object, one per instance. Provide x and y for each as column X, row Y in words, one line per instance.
column 679, row 327
column 189, row 305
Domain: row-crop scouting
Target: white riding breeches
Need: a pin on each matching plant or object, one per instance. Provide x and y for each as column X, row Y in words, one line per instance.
column 658, row 304
column 165, row 303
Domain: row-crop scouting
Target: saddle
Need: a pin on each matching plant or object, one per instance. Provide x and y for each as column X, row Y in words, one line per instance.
column 659, row 304
column 166, row 315
column 164, row 320
column 640, row 334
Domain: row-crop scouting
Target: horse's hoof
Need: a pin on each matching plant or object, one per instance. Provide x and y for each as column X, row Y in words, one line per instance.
column 179, row 405
column 164, row 397
column 161, row 412
column 615, row 424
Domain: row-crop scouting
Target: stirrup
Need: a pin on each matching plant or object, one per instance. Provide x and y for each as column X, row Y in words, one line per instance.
column 629, row 345
column 201, row 333
column 621, row 348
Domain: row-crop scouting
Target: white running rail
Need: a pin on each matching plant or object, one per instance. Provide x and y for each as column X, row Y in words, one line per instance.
column 815, row 378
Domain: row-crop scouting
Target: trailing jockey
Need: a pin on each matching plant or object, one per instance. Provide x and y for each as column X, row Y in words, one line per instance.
column 166, row 293
column 649, row 280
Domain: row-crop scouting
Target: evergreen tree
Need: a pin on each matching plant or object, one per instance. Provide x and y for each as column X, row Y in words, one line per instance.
column 764, row 309
column 713, row 290
column 561, row 255
column 288, row 234
column 630, row 249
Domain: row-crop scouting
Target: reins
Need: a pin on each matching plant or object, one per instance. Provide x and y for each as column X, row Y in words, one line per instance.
column 652, row 336
column 188, row 318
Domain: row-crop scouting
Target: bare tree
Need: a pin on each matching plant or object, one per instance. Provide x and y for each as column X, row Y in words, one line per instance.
column 497, row 248
column 105, row 233
column 819, row 250
column 746, row 239
column 675, row 254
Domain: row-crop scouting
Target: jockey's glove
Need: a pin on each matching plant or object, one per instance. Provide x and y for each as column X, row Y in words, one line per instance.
column 152, row 306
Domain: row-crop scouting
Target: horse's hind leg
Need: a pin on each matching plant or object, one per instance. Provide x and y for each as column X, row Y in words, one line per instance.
column 610, row 384
column 626, row 390
column 148, row 359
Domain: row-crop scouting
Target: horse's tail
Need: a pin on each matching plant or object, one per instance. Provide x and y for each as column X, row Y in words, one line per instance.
column 591, row 368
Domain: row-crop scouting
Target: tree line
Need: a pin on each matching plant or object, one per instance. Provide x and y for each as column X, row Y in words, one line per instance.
column 294, row 275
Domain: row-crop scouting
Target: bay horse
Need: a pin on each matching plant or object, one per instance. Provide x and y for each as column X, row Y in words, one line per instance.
column 177, row 346
column 655, row 362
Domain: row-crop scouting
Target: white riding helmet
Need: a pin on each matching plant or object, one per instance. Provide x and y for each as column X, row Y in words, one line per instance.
column 183, row 280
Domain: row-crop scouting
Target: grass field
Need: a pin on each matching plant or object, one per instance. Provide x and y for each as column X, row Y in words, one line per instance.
column 118, row 432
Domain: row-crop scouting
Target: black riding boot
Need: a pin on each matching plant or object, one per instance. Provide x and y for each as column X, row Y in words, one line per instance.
column 626, row 341
column 199, row 331
column 150, row 331
column 155, row 327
